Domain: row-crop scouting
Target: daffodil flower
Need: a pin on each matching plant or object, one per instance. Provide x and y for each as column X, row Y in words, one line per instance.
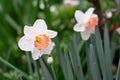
column 37, row 39
column 86, row 23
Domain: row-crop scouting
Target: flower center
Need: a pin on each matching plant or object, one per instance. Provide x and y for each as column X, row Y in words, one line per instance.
column 91, row 23
column 41, row 41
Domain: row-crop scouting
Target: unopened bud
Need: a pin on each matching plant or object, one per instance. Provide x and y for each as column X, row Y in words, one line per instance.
column 50, row 60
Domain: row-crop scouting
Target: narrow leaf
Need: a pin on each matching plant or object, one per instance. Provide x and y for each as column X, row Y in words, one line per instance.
column 100, row 53
column 13, row 67
column 118, row 72
column 29, row 65
column 46, row 71
column 62, row 59
column 69, row 68
column 53, row 72
column 93, row 64
column 107, row 54
column 36, row 69
column 75, row 58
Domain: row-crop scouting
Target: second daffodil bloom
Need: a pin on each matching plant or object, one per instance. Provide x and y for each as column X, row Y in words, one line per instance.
column 37, row 39
column 86, row 23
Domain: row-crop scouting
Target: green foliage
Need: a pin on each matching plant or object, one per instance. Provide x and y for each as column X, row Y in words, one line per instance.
column 74, row 59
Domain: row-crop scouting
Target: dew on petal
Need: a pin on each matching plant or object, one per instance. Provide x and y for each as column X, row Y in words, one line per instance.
column 41, row 42
column 91, row 23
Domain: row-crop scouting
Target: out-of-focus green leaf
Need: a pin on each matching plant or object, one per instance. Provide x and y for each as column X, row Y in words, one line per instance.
column 53, row 72
column 37, row 70
column 100, row 53
column 75, row 58
column 62, row 60
column 93, row 64
column 69, row 67
column 29, row 65
column 118, row 72
column 45, row 69
column 13, row 23
column 107, row 50
column 13, row 67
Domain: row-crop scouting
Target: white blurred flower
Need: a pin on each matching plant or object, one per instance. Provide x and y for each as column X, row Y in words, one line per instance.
column 71, row 2
column 86, row 23
column 34, row 3
column 108, row 14
column 50, row 60
column 42, row 5
column 118, row 30
column 37, row 39
column 53, row 8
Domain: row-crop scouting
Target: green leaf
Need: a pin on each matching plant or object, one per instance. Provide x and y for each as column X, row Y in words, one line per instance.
column 118, row 72
column 45, row 69
column 75, row 58
column 12, row 22
column 100, row 53
column 69, row 67
column 62, row 59
column 107, row 54
column 53, row 72
column 93, row 64
column 36, row 69
column 13, row 67
column 29, row 65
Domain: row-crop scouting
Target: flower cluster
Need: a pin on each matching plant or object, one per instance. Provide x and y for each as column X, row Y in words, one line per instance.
column 37, row 37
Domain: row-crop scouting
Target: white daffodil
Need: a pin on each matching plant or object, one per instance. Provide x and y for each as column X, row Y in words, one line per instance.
column 86, row 23
column 37, row 39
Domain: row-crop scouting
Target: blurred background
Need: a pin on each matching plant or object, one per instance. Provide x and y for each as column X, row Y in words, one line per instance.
column 59, row 16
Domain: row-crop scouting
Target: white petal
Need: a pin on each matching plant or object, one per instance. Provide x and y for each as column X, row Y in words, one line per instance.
column 85, row 35
column 49, row 48
column 36, row 54
column 40, row 26
column 79, row 16
column 79, row 27
column 88, row 13
column 51, row 33
column 25, row 44
column 94, row 15
column 29, row 31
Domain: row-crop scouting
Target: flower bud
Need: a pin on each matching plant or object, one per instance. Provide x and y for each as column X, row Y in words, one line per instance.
column 50, row 60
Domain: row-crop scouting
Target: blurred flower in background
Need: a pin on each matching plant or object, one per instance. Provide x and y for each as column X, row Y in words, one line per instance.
column 86, row 23
column 42, row 5
column 108, row 14
column 52, row 8
column 118, row 30
column 71, row 2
